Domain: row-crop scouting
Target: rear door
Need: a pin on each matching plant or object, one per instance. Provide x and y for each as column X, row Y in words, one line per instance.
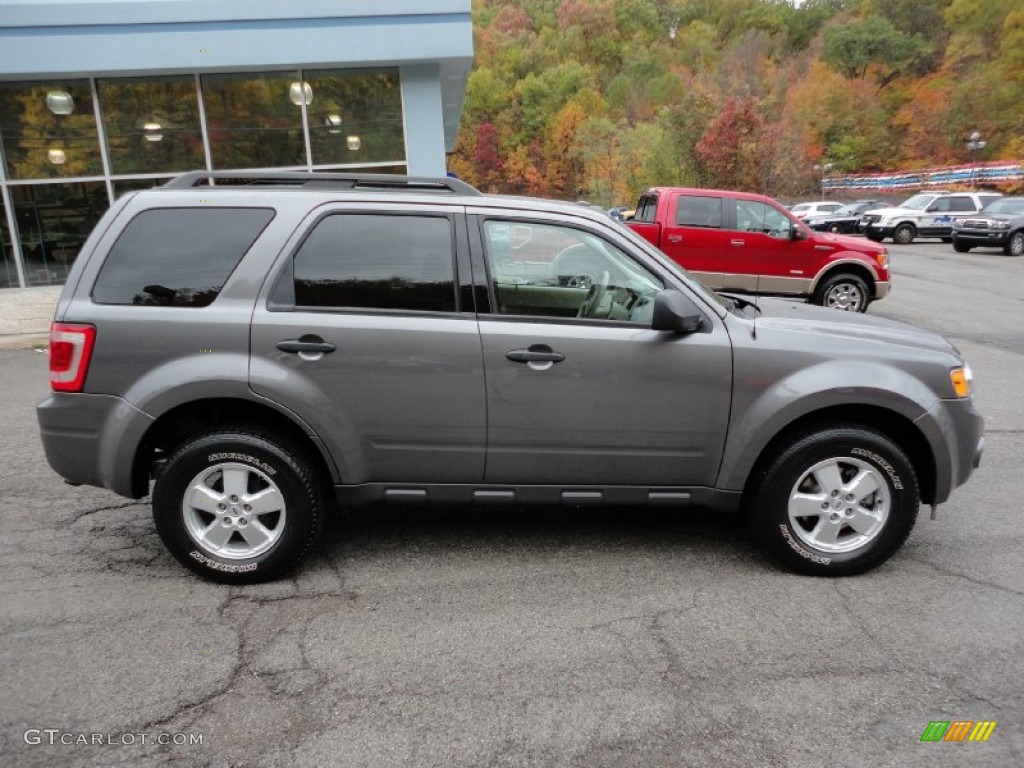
column 693, row 235
column 367, row 337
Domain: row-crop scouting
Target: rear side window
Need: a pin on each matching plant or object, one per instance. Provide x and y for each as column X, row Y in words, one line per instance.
column 646, row 209
column 377, row 262
column 961, row 204
column 178, row 257
column 699, row 211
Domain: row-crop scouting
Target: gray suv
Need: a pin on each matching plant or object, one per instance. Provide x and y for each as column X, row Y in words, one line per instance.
column 261, row 346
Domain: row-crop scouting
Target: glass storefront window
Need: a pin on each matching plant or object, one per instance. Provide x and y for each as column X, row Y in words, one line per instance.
column 132, row 185
column 253, row 120
column 49, row 130
column 355, row 116
column 8, row 270
column 152, row 124
column 53, row 222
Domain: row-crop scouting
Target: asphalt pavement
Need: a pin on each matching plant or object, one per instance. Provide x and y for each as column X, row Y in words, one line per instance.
column 452, row 637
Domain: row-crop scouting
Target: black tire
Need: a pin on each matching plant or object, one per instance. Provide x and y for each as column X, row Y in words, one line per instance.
column 844, row 291
column 904, row 234
column 790, row 483
column 961, row 247
column 257, row 545
column 1015, row 245
column 946, row 239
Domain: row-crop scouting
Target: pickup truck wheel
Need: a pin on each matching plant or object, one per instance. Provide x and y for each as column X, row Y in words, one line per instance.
column 238, row 507
column 1015, row 245
column 904, row 234
column 836, row 502
column 844, row 291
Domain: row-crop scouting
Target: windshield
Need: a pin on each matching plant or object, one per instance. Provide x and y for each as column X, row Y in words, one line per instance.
column 848, row 210
column 1006, row 205
column 918, row 202
column 801, row 207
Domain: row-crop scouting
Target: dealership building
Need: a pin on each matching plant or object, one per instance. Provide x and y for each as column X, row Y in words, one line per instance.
column 103, row 97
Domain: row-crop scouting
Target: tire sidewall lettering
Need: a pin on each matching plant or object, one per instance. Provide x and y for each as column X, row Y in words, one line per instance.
column 881, row 464
column 806, row 554
column 215, row 458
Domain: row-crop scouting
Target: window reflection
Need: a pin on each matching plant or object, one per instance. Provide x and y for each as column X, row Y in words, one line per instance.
column 8, row 271
column 53, row 223
column 355, row 116
column 252, row 122
column 152, row 124
column 49, row 130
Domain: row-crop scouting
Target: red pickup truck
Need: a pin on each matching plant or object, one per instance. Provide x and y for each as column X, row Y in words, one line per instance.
column 746, row 243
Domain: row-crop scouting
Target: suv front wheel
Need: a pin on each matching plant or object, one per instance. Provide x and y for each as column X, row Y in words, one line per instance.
column 836, row 502
column 238, row 507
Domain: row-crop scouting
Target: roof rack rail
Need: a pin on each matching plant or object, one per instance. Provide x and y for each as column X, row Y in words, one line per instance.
column 325, row 181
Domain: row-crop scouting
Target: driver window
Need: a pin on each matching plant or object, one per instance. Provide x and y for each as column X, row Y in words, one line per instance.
column 553, row 271
column 752, row 216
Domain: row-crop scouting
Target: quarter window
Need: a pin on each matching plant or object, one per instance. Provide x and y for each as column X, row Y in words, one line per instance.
column 178, row 257
column 377, row 262
column 544, row 270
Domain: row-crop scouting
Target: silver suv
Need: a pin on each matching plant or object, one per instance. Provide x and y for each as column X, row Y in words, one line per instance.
column 258, row 346
column 929, row 214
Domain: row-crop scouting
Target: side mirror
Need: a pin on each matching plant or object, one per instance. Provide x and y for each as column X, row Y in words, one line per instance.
column 676, row 313
column 797, row 233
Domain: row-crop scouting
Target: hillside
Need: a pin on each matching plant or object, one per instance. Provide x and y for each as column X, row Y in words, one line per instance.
column 598, row 99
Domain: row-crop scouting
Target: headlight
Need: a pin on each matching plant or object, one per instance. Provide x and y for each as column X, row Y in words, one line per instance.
column 957, row 224
column 999, row 225
column 961, row 379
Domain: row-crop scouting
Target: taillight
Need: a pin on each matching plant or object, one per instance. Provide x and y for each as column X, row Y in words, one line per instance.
column 70, row 352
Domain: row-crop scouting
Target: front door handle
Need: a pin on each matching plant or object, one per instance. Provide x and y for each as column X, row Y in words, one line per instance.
column 538, row 353
column 738, row 242
column 675, row 238
column 308, row 343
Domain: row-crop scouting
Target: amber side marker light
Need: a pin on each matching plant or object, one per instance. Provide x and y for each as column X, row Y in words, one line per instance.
column 961, row 379
column 70, row 353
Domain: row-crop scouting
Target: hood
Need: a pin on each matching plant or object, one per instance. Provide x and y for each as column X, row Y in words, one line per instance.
column 854, row 326
column 849, row 243
column 993, row 216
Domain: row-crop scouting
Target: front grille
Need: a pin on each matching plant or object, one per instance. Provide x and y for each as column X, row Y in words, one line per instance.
column 974, row 223
column 871, row 218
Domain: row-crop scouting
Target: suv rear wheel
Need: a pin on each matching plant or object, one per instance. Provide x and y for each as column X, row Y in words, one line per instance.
column 843, row 291
column 238, row 506
column 904, row 234
column 836, row 502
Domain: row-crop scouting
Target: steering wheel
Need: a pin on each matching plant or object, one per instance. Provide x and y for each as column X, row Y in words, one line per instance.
column 594, row 297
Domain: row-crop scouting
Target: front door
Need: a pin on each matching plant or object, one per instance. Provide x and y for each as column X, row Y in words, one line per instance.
column 580, row 390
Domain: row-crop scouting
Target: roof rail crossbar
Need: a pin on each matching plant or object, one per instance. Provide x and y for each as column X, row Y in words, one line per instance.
column 328, row 180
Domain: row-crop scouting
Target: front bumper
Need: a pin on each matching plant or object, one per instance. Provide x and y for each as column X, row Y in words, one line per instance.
column 982, row 238
column 882, row 288
column 956, row 432
column 881, row 231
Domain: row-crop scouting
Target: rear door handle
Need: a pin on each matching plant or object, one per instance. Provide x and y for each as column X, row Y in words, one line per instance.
column 538, row 353
column 738, row 242
column 308, row 344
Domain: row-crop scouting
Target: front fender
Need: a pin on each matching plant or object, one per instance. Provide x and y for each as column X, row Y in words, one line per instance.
column 761, row 414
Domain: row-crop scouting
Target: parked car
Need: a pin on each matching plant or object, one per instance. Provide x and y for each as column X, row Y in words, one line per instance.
column 252, row 350
column 748, row 243
column 929, row 214
column 843, row 221
column 803, row 210
column 999, row 225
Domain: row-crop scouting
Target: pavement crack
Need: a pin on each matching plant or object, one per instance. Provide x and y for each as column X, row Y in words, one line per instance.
column 965, row 577
column 844, row 602
column 105, row 508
